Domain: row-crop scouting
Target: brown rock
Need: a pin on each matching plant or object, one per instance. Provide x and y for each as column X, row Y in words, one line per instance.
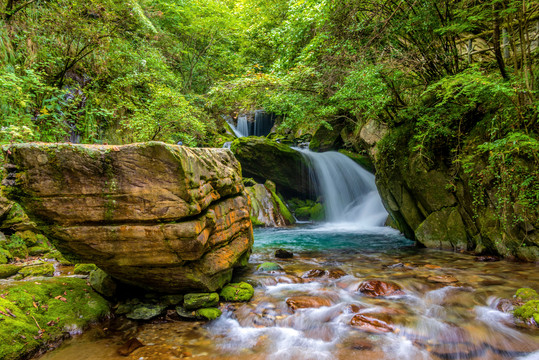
column 330, row 273
column 444, row 279
column 370, row 324
column 283, row 254
column 374, row 288
column 430, row 266
column 163, row 217
column 130, row 346
column 487, row 258
column 303, row 302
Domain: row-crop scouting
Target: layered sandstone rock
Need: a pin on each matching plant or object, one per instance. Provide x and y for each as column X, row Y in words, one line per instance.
column 163, row 217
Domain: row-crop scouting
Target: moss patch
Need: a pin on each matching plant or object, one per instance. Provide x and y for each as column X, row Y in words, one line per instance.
column 9, row 270
column 237, row 292
column 208, row 313
column 529, row 311
column 200, row 300
column 84, row 269
column 527, row 294
column 46, row 269
column 35, row 313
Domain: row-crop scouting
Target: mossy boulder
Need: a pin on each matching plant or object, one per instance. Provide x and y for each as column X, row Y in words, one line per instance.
column 5, row 256
column 43, row 269
column 8, row 270
column 103, row 283
column 35, row 314
column 208, row 313
column 237, row 292
column 17, row 247
column 328, row 136
column 84, row 269
column 30, row 238
column 526, row 294
column 529, row 312
column 443, row 229
column 161, row 217
column 38, row 250
column 264, row 159
column 200, row 300
column 17, row 220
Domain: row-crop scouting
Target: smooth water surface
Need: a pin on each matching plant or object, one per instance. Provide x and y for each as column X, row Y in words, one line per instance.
column 431, row 320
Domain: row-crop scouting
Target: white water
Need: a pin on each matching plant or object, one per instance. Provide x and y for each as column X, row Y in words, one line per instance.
column 348, row 191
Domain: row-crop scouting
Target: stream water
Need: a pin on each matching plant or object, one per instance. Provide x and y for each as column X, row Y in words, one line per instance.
column 430, row 320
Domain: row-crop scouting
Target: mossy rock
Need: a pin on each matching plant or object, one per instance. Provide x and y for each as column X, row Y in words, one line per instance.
column 362, row 160
column 17, row 247
column 56, row 255
column 45, row 269
column 57, row 305
column 529, row 312
column 145, row 311
column 237, row 292
column 84, row 269
column 208, row 313
column 527, row 294
column 38, row 250
column 200, row 300
column 30, row 238
column 8, row 270
column 5, row 256
column 103, row 283
column 17, row 220
column 313, row 213
column 184, row 313
column 170, row 300
column 268, row 266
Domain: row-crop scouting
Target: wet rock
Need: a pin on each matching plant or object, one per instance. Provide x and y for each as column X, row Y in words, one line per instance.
column 375, row 288
column 208, row 313
column 267, row 208
column 200, row 300
column 508, row 305
column 431, row 266
column 354, row 308
column 237, row 292
column 103, row 283
column 268, row 266
column 130, row 346
column 487, row 258
column 161, row 352
column 303, row 302
column 370, row 324
column 330, row 273
column 283, row 254
column 184, row 313
column 444, row 279
column 170, row 300
column 362, row 344
column 145, row 311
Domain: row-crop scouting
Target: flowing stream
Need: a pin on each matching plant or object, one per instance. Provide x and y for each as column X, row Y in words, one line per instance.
column 449, row 307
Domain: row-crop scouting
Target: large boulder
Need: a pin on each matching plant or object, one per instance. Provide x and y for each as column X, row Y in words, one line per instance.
column 267, row 209
column 264, row 159
column 163, row 217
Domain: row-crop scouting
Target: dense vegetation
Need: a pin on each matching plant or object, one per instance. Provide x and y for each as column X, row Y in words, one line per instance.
column 436, row 72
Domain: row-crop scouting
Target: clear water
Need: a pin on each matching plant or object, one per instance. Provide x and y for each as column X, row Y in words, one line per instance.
column 431, row 320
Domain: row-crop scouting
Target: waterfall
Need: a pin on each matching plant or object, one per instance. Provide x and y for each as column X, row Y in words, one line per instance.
column 261, row 126
column 348, row 191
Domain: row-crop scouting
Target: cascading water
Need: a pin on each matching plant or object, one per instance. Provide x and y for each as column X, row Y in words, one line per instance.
column 261, row 126
column 348, row 191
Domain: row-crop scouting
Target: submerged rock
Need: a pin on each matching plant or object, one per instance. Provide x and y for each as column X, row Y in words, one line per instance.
column 145, row 311
column 329, row 273
column 444, row 279
column 162, row 217
column 375, row 288
column 370, row 324
column 283, row 254
column 268, row 266
column 303, row 302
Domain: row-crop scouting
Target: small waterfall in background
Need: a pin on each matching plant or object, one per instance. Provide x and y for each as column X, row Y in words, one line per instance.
column 348, row 191
column 261, row 125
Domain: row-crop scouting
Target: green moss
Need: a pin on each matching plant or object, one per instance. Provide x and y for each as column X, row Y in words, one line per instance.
column 17, row 247
column 269, row 266
column 9, row 270
column 145, row 311
column 84, row 269
column 55, row 254
column 46, row 269
column 5, row 256
column 237, row 292
column 527, row 294
column 38, row 250
column 200, row 300
column 313, row 213
column 255, row 221
column 102, row 283
column 44, row 312
column 279, row 202
column 208, row 313
column 528, row 311
column 362, row 160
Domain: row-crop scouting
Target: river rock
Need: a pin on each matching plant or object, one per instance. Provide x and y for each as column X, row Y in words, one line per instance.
column 329, row 273
column 303, row 302
column 370, row 324
column 268, row 267
column 375, row 288
column 283, row 254
column 162, row 217
column 444, row 279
